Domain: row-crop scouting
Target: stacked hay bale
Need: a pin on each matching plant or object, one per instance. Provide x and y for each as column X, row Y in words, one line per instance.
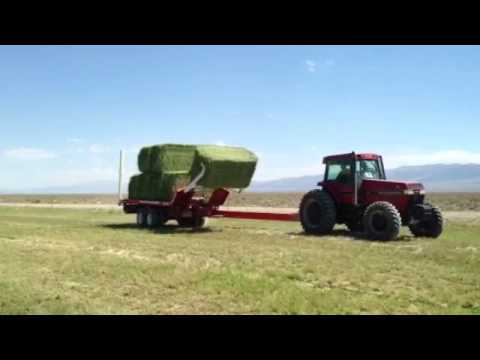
column 167, row 167
column 163, row 169
column 225, row 166
column 167, row 158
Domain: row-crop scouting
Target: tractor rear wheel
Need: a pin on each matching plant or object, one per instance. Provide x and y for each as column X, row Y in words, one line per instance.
column 317, row 212
column 382, row 221
column 431, row 228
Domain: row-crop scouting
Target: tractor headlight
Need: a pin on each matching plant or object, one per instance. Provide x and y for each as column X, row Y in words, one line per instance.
column 413, row 192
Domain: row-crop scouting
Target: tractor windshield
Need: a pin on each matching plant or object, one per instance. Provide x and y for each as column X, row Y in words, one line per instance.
column 369, row 169
column 340, row 171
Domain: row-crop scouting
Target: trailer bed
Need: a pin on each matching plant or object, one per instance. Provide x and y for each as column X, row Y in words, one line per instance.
column 183, row 205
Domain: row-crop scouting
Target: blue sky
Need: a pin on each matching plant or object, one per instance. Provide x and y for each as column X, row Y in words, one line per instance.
column 66, row 111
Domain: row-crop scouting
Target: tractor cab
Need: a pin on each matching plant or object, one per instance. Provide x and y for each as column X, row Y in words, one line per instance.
column 356, row 192
column 346, row 172
column 342, row 167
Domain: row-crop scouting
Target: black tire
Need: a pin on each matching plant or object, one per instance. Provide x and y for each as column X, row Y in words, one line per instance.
column 382, row 221
column 141, row 218
column 195, row 223
column 432, row 228
column 317, row 212
column 154, row 218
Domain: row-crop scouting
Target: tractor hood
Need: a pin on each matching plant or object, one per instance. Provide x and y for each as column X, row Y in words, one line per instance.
column 391, row 185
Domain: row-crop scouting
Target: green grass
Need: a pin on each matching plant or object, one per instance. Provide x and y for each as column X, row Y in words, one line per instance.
column 55, row 261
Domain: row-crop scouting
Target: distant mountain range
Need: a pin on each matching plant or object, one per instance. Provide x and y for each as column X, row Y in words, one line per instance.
column 438, row 178
column 97, row 187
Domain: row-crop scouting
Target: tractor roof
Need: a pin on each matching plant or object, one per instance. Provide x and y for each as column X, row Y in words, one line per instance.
column 364, row 156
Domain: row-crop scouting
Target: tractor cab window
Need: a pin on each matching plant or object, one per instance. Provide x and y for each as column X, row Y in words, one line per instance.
column 340, row 171
column 369, row 169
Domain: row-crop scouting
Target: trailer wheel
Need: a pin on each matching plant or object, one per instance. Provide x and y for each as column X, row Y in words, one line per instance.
column 141, row 218
column 317, row 212
column 432, row 228
column 155, row 218
column 382, row 221
column 196, row 223
column 200, row 223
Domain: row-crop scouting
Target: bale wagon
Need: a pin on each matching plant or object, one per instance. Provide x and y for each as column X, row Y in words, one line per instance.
column 354, row 192
column 161, row 192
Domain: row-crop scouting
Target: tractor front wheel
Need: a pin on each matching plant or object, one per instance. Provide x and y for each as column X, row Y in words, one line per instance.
column 431, row 228
column 382, row 221
column 317, row 212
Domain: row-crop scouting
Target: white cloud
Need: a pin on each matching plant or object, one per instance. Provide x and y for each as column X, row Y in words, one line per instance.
column 23, row 153
column 220, row 143
column 311, row 65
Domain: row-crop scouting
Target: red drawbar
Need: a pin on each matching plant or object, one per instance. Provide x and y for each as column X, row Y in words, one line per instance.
column 252, row 215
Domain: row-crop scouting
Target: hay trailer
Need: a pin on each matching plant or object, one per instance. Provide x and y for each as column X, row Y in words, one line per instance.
column 188, row 209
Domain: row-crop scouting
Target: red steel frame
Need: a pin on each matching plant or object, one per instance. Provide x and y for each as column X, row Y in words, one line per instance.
column 184, row 203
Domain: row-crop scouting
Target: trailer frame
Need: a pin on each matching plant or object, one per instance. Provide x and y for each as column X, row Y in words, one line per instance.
column 185, row 205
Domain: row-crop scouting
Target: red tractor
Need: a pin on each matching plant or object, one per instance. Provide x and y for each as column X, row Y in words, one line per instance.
column 355, row 192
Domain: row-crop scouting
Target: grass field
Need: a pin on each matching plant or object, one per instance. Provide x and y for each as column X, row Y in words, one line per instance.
column 447, row 201
column 57, row 261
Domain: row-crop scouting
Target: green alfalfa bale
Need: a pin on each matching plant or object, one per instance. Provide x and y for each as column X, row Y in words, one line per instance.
column 179, row 179
column 133, row 187
column 144, row 159
column 225, row 166
column 156, row 187
column 169, row 158
column 161, row 187
column 139, row 186
column 145, row 186
column 164, row 186
column 136, row 187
